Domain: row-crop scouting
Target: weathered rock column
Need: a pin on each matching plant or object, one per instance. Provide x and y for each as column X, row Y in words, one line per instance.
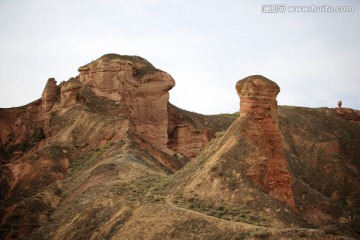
column 258, row 102
column 49, row 95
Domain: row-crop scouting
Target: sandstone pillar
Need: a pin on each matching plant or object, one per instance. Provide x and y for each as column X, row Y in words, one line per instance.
column 49, row 95
column 258, row 103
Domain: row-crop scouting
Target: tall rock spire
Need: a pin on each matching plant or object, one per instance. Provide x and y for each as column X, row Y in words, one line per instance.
column 49, row 95
column 268, row 167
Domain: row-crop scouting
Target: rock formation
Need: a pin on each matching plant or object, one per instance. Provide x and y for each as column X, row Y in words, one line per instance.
column 186, row 136
column 188, row 141
column 136, row 85
column 348, row 114
column 70, row 92
column 99, row 142
column 339, row 104
column 49, row 95
column 140, row 92
column 268, row 166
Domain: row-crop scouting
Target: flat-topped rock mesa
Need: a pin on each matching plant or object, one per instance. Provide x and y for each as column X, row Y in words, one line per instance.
column 267, row 166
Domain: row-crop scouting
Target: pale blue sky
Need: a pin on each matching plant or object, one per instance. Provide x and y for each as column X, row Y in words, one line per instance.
column 207, row 46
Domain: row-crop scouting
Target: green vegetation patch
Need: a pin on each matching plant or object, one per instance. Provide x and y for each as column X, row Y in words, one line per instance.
column 143, row 191
column 230, row 213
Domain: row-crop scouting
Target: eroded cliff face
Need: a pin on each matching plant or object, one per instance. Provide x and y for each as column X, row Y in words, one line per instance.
column 131, row 82
column 127, row 87
column 70, row 93
column 20, row 129
column 267, row 166
column 246, row 165
column 186, row 136
column 116, row 100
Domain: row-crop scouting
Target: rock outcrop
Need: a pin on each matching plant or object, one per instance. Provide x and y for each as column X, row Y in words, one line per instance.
column 140, row 92
column 49, row 95
column 186, row 136
column 348, row 114
column 63, row 96
column 138, row 86
column 107, row 135
column 189, row 141
column 267, row 167
column 70, row 92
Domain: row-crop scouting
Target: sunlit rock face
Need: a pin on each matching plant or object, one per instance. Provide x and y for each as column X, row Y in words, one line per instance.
column 267, row 166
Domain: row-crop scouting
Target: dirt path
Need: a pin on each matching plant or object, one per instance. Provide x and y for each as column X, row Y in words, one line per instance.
column 169, row 202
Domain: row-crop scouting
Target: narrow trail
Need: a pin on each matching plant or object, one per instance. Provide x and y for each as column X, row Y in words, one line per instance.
column 170, row 203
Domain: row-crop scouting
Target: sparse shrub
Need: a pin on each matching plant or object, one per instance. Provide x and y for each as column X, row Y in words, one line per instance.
column 221, row 208
column 58, row 192
column 23, row 147
column 259, row 233
column 37, row 135
column 231, row 183
column 222, row 211
column 108, row 144
column 57, row 168
column 331, row 229
column 240, row 236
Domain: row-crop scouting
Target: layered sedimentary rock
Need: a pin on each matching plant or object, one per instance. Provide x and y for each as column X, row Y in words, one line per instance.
column 108, row 74
column 135, row 84
column 49, row 95
column 267, row 166
column 186, row 136
column 70, row 92
column 64, row 95
column 140, row 91
column 188, row 141
column 348, row 114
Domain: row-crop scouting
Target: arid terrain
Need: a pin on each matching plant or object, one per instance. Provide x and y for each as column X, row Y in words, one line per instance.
column 105, row 155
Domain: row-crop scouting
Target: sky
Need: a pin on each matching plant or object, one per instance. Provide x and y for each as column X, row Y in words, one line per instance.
column 205, row 45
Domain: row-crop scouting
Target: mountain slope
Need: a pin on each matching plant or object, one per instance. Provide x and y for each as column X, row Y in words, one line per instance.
column 105, row 156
